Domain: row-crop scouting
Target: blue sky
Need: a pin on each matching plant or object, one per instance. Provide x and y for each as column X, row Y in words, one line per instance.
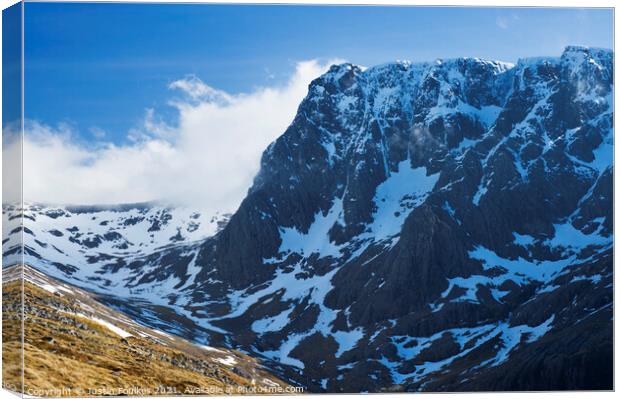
column 99, row 66
column 11, row 60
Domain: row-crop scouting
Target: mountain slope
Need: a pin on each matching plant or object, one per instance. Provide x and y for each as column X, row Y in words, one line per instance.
column 75, row 346
column 433, row 226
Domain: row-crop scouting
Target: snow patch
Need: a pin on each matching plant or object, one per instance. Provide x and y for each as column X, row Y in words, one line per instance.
column 347, row 339
column 115, row 329
column 274, row 323
column 227, row 361
column 397, row 197
column 211, row 349
column 316, row 239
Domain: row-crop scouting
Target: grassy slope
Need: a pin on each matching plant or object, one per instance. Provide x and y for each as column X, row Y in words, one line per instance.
column 72, row 355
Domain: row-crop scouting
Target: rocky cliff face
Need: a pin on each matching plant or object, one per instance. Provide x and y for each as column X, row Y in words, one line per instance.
column 436, row 226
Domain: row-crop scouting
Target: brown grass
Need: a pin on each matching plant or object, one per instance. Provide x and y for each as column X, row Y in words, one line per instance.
column 69, row 355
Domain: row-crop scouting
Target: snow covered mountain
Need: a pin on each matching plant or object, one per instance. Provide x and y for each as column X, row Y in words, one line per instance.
column 434, row 226
column 81, row 235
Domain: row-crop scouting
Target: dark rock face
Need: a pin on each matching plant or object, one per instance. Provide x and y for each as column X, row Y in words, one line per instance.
column 519, row 163
column 443, row 226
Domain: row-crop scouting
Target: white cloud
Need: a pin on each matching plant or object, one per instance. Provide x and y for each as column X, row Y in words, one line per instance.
column 501, row 22
column 197, row 90
column 506, row 21
column 11, row 160
column 208, row 161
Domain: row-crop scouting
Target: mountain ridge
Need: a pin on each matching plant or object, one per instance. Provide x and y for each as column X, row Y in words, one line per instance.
column 423, row 223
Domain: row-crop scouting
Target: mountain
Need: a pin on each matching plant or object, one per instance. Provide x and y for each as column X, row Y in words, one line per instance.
column 90, row 234
column 442, row 226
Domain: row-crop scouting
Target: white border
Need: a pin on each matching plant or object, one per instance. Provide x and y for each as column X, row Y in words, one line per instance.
column 484, row 3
